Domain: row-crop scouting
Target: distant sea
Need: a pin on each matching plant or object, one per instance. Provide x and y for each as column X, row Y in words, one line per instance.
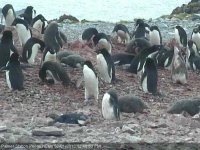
column 104, row 10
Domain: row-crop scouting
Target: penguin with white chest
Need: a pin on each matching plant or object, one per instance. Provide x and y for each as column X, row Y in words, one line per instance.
column 49, row 55
column 14, row 74
column 91, row 81
column 110, row 106
column 29, row 14
column 6, row 48
column 155, row 37
column 30, row 50
column 122, row 33
column 181, row 36
column 24, row 33
column 105, row 65
column 149, row 77
column 39, row 23
column 142, row 29
column 196, row 37
column 8, row 14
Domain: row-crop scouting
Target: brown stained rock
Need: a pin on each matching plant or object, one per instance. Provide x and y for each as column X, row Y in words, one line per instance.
column 47, row 131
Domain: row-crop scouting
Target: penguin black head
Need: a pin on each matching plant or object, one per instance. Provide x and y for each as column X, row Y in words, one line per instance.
column 20, row 21
column 50, row 50
column 120, row 27
column 139, row 22
column 14, row 58
column 196, row 30
column 7, row 36
column 6, row 8
column 102, row 51
column 41, row 17
column 154, row 28
column 29, row 10
column 99, row 36
column 88, row 33
column 113, row 93
column 149, row 63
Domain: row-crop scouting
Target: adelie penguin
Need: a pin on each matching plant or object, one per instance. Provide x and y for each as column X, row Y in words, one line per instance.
column 91, row 81
column 122, row 33
column 181, row 36
column 62, row 54
column 48, row 55
column 6, row 48
column 52, row 72
column 101, row 41
column 74, row 61
column 142, row 29
column 178, row 69
column 155, row 37
column 149, row 77
column 39, row 23
column 193, row 61
column 29, row 14
column 24, row 33
column 105, row 66
column 14, row 75
column 8, row 14
column 122, row 59
column 30, row 50
column 196, row 37
column 54, row 38
column 131, row 104
column 88, row 34
column 110, row 106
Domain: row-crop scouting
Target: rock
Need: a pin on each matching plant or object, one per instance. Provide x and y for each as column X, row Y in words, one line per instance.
column 68, row 17
column 48, row 131
column 20, row 131
column 195, row 17
column 3, row 128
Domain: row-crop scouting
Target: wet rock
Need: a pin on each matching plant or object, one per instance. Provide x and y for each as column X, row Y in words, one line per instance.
column 48, row 131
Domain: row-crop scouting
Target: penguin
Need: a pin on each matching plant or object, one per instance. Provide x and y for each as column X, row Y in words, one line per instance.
column 122, row 33
column 193, row 46
column 6, row 48
column 39, row 24
column 141, row 30
column 110, row 105
column 88, row 34
column 49, row 55
column 181, row 36
column 135, row 46
column 149, row 77
column 101, row 41
column 62, row 54
column 52, row 72
column 14, row 74
column 69, row 118
column 23, row 31
column 155, row 37
column 29, row 14
column 53, row 37
column 122, row 58
column 8, row 14
column 178, row 69
column 195, row 37
column 194, row 61
column 74, row 61
column 191, row 106
column 2, row 27
column 30, row 50
column 105, row 65
column 131, row 104
column 91, row 81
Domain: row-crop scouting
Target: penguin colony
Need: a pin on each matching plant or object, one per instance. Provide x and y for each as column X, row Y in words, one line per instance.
column 144, row 54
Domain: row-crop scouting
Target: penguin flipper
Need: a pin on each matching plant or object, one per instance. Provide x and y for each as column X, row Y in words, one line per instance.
column 152, row 81
column 115, row 105
column 17, row 79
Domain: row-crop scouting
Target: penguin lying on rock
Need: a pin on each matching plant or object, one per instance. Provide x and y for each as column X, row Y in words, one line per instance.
column 131, row 104
column 62, row 54
column 110, row 105
column 14, row 74
column 52, row 72
column 190, row 106
column 70, row 118
column 74, row 61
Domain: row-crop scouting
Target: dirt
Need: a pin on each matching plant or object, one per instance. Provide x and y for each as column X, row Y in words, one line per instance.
column 28, row 109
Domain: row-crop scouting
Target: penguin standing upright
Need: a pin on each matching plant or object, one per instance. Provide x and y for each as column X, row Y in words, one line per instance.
column 181, row 36
column 88, row 34
column 110, row 106
column 91, row 81
column 178, row 70
column 193, row 46
column 155, row 37
column 49, row 55
column 141, row 30
column 149, row 77
column 122, row 32
column 105, row 65
column 23, row 31
column 29, row 14
column 30, row 50
column 38, row 23
column 52, row 72
column 8, row 14
column 6, row 48
column 53, row 37
column 196, row 37
column 14, row 75
column 193, row 61
column 101, row 41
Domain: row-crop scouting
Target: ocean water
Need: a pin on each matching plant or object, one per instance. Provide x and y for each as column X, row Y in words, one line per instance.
column 104, row 10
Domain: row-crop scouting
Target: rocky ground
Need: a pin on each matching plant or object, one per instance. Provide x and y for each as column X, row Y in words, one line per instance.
column 23, row 112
